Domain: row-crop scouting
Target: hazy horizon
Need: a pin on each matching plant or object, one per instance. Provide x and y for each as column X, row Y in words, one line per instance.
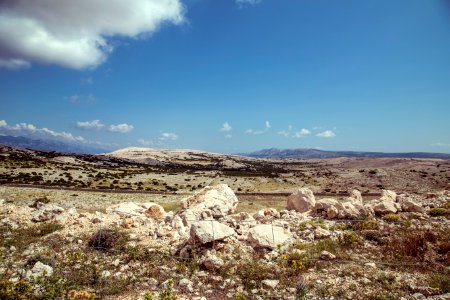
column 229, row 76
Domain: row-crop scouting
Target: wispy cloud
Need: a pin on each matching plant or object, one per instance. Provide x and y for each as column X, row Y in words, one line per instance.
column 79, row 99
column 90, row 125
column 302, row 133
column 168, row 136
column 226, row 127
column 146, row 143
column 286, row 132
column 326, row 134
column 228, row 136
column 121, row 128
column 86, row 81
column 440, row 144
column 76, row 34
column 241, row 3
column 267, row 127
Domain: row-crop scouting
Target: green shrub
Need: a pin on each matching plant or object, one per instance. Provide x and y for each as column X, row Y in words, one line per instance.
column 391, row 218
column 349, row 239
column 438, row 211
column 20, row 290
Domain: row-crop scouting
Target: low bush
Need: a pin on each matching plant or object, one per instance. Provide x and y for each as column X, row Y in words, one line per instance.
column 439, row 211
column 108, row 239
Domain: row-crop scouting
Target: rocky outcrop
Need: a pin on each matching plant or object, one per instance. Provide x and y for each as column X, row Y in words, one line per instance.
column 268, row 236
column 333, row 209
column 130, row 209
column 302, row 200
column 211, row 202
column 46, row 212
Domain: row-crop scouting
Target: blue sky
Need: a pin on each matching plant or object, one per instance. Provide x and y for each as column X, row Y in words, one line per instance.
column 230, row 76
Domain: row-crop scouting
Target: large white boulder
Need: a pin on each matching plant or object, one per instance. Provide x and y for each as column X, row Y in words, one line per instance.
column 212, row 201
column 268, row 236
column 302, row 200
column 209, row 230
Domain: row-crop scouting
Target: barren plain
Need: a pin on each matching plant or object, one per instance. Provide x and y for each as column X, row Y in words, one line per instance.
column 181, row 224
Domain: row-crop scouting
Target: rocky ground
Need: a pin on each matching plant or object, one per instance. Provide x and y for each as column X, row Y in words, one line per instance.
column 392, row 247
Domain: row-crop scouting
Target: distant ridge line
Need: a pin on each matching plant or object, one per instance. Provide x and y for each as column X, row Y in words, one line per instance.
column 307, row 153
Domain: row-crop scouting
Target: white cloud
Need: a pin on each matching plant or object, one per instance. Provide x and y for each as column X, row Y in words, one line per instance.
column 326, row 134
column 284, row 132
column 121, row 128
column 31, row 131
column 226, row 127
column 76, row 34
column 302, row 133
column 168, row 136
column 228, row 136
column 267, row 127
column 440, row 145
column 90, row 125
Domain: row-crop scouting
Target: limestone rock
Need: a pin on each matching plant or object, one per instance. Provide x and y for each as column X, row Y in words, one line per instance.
column 211, row 262
column 384, row 207
column 46, row 212
column 130, row 209
column 212, row 201
column 268, row 236
column 39, row 269
column 321, row 233
column 270, row 283
column 388, row 195
column 208, row 231
column 325, row 255
column 302, row 200
column 409, row 205
column 355, row 197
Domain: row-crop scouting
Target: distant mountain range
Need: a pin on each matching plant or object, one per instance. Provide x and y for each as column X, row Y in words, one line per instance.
column 67, row 147
column 315, row 153
column 48, row 145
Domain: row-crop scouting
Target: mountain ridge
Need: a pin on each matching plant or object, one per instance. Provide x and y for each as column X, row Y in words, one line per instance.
column 310, row 153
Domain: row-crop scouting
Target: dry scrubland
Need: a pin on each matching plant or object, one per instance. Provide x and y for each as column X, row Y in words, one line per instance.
column 190, row 236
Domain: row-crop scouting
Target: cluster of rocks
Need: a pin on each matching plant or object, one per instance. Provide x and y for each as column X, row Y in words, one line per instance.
column 353, row 207
column 207, row 224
